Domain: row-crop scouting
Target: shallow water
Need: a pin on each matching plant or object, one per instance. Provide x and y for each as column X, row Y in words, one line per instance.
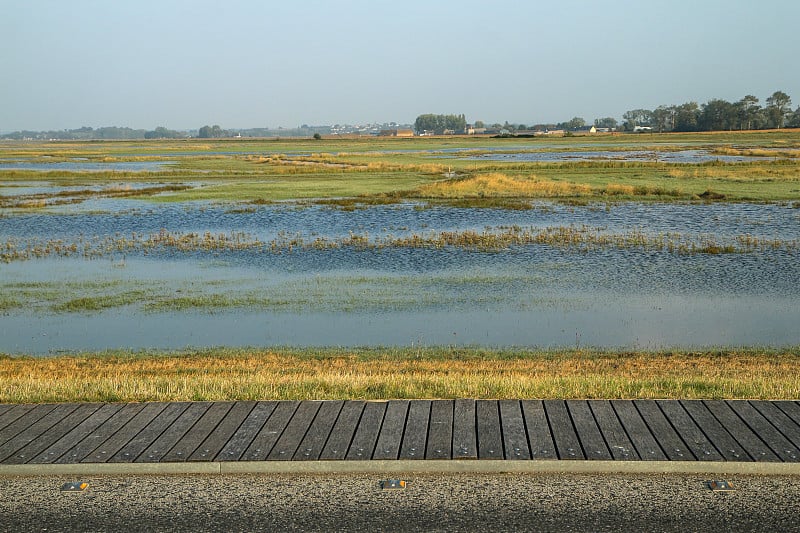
column 680, row 156
column 524, row 296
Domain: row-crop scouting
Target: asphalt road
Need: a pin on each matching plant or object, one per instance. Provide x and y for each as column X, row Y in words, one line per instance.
column 448, row 502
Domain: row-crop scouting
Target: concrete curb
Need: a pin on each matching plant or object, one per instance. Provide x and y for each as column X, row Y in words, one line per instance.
column 405, row 467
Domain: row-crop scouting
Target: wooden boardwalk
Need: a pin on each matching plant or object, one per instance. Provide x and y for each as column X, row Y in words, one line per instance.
column 525, row 430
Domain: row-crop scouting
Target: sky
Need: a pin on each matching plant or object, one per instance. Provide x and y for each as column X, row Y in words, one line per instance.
column 254, row 64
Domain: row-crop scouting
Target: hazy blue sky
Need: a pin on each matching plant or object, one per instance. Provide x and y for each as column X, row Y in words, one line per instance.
column 254, row 63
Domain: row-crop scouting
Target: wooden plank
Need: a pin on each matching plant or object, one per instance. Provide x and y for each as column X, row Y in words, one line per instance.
column 13, row 413
column 342, row 433
column 777, row 442
column 102, row 433
column 790, row 409
column 666, row 436
column 566, row 440
column 197, row 433
column 692, row 435
column 617, row 440
column 218, row 438
column 173, row 433
column 237, row 445
column 297, row 428
column 465, row 436
column 271, row 431
column 144, row 438
column 440, row 430
column 26, row 418
column 642, row 439
column 112, row 445
column 515, row 438
column 725, row 444
column 594, row 446
column 788, row 427
column 415, row 436
column 490, row 436
column 539, row 437
column 317, row 435
column 31, row 432
column 59, row 448
column 366, row 435
column 391, row 435
column 754, row 446
column 54, row 434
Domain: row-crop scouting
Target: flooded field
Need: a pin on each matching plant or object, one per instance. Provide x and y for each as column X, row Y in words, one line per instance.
column 386, row 276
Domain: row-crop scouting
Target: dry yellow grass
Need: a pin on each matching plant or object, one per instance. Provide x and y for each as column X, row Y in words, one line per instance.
column 498, row 185
column 339, row 374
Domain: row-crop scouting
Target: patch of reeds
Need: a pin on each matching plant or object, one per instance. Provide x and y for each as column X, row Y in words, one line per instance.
column 257, row 374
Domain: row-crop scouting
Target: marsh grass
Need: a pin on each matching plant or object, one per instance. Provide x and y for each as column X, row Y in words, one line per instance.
column 253, row 374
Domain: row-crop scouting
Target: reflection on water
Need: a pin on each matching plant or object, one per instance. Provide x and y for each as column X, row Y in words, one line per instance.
column 528, row 295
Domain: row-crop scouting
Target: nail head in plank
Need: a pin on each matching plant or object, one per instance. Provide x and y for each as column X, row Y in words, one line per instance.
column 669, row 440
column 566, row 440
column 416, row 433
column 440, row 430
column 594, row 446
column 314, row 441
column 237, row 445
column 617, row 440
column 779, row 419
column 173, row 433
column 127, row 432
column 725, row 444
column 144, row 438
column 515, row 439
column 539, row 437
column 465, row 438
column 197, row 433
column 271, row 431
column 490, row 436
column 777, row 442
column 211, row 446
column 343, row 430
column 391, row 435
column 366, row 434
column 754, row 446
column 33, row 431
column 636, row 428
column 297, row 428
column 76, row 435
column 689, row 431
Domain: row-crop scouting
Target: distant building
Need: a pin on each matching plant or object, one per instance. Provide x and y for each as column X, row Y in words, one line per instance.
column 396, row 133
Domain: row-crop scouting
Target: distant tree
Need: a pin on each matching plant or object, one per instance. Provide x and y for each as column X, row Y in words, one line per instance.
column 662, row 118
column 440, row 123
column 317, row 136
column 748, row 111
column 778, row 106
column 685, row 117
column 717, row 115
column 794, row 119
column 607, row 122
column 211, row 132
column 575, row 123
column 479, row 124
column 637, row 117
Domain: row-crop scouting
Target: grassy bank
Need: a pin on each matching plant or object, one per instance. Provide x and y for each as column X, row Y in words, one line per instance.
column 262, row 374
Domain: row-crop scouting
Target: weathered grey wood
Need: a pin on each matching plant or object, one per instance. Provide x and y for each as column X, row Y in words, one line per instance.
column 617, row 440
column 725, row 444
column 33, row 431
column 26, row 420
column 594, row 446
column 52, row 435
column 539, row 437
column 490, row 435
column 13, row 413
column 465, row 438
column 144, row 438
column 314, row 441
column 297, row 428
column 391, row 435
column 566, row 440
column 692, row 435
column 755, row 447
column 790, row 409
column 777, row 442
column 643, row 440
column 78, row 433
column 271, row 431
column 669, row 440
column 197, row 433
column 113, row 444
column 237, row 445
column 366, row 435
column 214, row 442
column 416, row 433
column 515, row 438
column 103, row 432
column 343, row 430
column 172, row 434
column 780, row 420
column 440, row 430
